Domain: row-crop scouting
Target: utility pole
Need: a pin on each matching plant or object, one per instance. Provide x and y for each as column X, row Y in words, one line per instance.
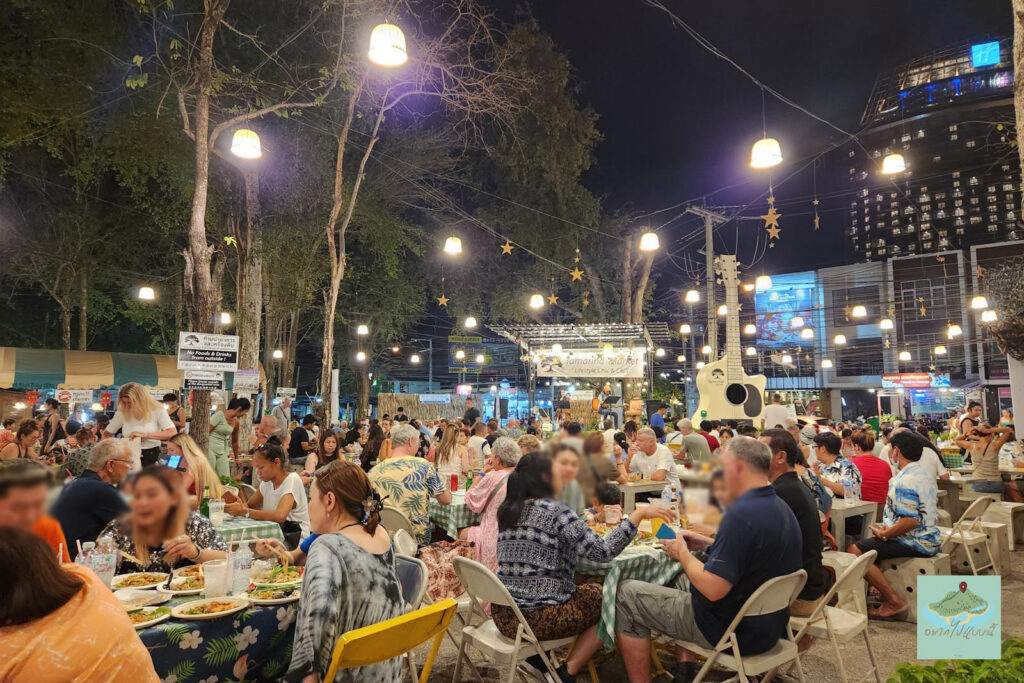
column 711, row 218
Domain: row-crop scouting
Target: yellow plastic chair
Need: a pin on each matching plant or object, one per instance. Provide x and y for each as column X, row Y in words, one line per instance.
column 393, row 638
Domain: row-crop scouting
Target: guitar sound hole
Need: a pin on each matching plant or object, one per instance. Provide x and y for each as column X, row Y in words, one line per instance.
column 736, row 394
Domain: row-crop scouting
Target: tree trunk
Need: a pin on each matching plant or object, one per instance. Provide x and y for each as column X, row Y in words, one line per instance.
column 641, row 289
column 597, row 296
column 362, row 394
column 250, row 285
column 1018, row 77
column 292, row 342
column 200, row 253
column 83, row 313
column 626, row 305
column 65, row 325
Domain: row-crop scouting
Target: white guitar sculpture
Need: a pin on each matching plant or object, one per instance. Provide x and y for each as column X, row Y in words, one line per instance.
column 726, row 392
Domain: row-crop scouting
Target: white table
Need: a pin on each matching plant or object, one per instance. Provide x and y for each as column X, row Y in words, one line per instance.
column 631, row 488
column 841, row 511
column 693, row 477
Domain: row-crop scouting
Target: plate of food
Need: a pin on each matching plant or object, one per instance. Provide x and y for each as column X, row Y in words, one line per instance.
column 188, row 584
column 149, row 616
column 273, row 595
column 209, row 608
column 191, row 570
column 138, row 580
column 134, row 599
column 276, row 576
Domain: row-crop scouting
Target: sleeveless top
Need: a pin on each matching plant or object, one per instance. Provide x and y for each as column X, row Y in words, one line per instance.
column 58, row 433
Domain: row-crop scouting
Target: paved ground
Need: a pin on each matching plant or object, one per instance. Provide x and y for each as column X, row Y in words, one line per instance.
column 892, row 643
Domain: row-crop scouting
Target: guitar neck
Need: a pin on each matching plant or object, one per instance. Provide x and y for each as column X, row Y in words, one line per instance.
column 734, row 366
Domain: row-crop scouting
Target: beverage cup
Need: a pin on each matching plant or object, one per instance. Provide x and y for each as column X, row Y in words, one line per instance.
column 216, row 576
column 217, row 513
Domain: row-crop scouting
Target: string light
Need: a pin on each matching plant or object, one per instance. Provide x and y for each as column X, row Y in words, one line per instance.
column 797, row 321
column 885, row 324
column 750, row 328
column 763, row 283
column 979, row 302
column 453, row 245
column 684, row 328
column 692, row 297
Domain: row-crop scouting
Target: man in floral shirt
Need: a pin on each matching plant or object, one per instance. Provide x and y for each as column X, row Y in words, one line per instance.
column 832, row 467
column 408, row 482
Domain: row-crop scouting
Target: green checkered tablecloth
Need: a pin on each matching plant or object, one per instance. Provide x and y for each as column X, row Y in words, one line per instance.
column 240, row 528
column 452, row 517
column 652, row 566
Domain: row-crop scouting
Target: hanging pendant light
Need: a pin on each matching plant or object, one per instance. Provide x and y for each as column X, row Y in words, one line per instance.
column 723, row 310
column 245, row 144
column 460, row 354
column 278, row 354
column 787, row 359
column 146, row 293
column 453, row 245
column 750, row 328
column 692, row 296
column 387, row 46
column 680, row 358
column 751, row 351
column 905, row 356
column 885, row 324
column 684, row 328
column 748, row 286
column 893, row 163
column 826, row 364
column 706, row 350
column 953, row 331
column 360, row 356
column 807, row 333
column 979, row 302
column 796, row 321
column 763, row 283
column 840, row 339
column 940, row 350
column 649, row 242
column 858, row 312
column 989, row 316
column 414, row 358
column 766, row 153
column 479, row 358
column 225, row 318
column 536, row 301
column 659, row 352
column 362, row 330
column 556, row 348
column 700, row 364
column 470, row 322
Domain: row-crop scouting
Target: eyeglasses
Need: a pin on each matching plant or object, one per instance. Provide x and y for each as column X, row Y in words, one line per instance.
column 127, row 462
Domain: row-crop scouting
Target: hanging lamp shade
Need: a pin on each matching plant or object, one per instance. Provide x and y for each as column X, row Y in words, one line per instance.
column 979, row 302
column 750, row 328
column 362, row 330
column 989, row 316
column 796, row 321
column 940, row 350
column 225, row 318
column 807, row 333
column 387, row 46
column 680, row 358
column 885, row 324
column 479, row 358
column 840, row 339
column 748, row 286
column 953, row 331
column 278, row 354
column 763, row 283
column 659, row 352
column 826, row 364
column 723, row 310
column 146, row 293
column 765, row 153
column 649, row 242
column 692, row 296
column 858, row 312
column 536, row 301
column 245, row 144
column 414, row 358
column 460, row 354
column 751, row 351
column 905, row 356
column 706, row 350
column 470, row 322
column 700, row 364
column 684, row 328
column 453, row 245
column 787, row 359
column 360, row 356
column 893, row 163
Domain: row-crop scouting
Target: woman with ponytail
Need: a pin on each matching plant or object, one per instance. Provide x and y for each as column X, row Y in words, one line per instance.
column 539, row 541
column 350, row 579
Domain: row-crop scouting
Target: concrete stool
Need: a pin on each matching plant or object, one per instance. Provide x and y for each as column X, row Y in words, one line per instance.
column 1010, row 514
column 995, row 534
column 943, row 518
column 840, row 562
column 902, row 573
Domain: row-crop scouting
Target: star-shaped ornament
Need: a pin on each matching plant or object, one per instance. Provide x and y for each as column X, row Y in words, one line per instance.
column 888, row 343
column 772, row 217
column 586, row 302
column 940, row 259
column 773, row 232
column 923, row 310
column 932, row 367
column 577, row 274
column 771, row 200
column 771, row 245
column 815, row 202
column 980, row 271
column 442, row 301
column 553, row 299
column 507, row 248
column 817, row 222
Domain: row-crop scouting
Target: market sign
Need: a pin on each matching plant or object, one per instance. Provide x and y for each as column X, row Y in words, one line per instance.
column 435, row 398
column 74, row 395
column 591, row 363
column 202, row 351
column 287, row 392
column 204, row 380
column 246, row 382
column 915, row 380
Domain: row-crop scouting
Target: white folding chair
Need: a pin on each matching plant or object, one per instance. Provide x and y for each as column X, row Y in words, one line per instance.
column 394, row 519
column 845, row 621
column 412, row 576
column 404, row 542
column 483, row 586
column 969, row 533
column 773, row 595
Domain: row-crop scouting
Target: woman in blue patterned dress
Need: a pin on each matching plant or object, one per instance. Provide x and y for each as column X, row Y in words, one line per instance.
column 350, row 579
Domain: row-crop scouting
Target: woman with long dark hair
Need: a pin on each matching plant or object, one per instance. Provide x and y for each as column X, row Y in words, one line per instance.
column 539, row 541
column 59, row 622
column 372, row 448
column 350, row 579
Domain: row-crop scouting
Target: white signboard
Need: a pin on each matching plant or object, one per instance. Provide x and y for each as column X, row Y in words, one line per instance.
column 591, row 363
column 157, row 394
column 204, row 380
column 246, row 382
column 435, row 398
column 201, row 351
column 74, row 395
column 286, row 392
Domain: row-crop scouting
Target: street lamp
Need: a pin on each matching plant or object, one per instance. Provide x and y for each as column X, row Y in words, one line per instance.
column 146, row 293
column 387, row 46
column 453, row 245
column 362, row 330
column 470, row 322
column 649, row 242
column 766, row 153
column 245, row 144
column 278, row 354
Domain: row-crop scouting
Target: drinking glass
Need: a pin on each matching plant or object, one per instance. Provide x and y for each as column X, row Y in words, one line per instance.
column 215, row 573
column 217, row 513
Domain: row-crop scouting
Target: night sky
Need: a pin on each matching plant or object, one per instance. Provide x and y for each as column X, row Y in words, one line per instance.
column 678, row 122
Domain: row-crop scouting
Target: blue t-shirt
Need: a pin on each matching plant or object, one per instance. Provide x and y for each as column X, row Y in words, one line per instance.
column 657, row 421
column 758, row 539
column 308, row 541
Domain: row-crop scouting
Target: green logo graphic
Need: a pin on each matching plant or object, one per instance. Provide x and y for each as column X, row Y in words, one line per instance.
column 958, row 617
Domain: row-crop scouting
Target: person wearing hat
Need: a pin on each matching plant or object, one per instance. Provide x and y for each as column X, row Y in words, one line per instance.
column 806, row 442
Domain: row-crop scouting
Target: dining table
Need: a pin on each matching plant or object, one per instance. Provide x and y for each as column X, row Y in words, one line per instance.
column 452, row 517
column 235, row 529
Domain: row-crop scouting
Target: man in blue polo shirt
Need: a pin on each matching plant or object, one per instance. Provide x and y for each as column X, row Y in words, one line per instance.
column 88, row 503
column 758, row 540
column 658, row 418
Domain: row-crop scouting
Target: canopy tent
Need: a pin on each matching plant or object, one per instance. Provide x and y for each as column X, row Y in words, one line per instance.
column 532, row 337
column 36, row 368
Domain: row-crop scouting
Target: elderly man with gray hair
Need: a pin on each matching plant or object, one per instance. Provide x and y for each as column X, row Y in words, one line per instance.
column 758, row 540
column 486, row 495
column 88, row 503
column 693, row 444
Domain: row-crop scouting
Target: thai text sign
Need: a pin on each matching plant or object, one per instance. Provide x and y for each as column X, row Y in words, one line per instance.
column 591, row 363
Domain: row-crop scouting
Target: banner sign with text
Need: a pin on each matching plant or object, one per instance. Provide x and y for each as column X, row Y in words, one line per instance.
column 435, row 398
column 246, row 382
column 204, row 380
column 201, row 351
column 591, row 363
column 286, row 392
column 74, row 395
column 915, row 380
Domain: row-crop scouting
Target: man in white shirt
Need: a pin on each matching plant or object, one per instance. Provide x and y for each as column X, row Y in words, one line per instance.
column 651, row 459
column 930, row 461
column 478, row 443
column 775, row 415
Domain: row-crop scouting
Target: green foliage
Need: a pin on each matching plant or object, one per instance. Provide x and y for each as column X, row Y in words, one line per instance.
column 183, row 670
column 1008, row 669
column 220, row 650
column 173, row 631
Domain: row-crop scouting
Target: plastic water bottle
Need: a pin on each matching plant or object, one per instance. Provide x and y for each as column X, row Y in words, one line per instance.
column 242, row 567
column 103, row 560
column 847, row 492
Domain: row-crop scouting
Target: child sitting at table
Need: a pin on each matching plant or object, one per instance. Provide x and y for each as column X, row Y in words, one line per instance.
column 606, row 505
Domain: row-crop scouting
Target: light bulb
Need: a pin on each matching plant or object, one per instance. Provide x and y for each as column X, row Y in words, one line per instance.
column 479, row 358
column 453, row 245
column 692, row 296
column 940, row 350
column 395, row 349
column 680, row 358
column 460, row 354
column 989, row 316
column 763, row 283
column 684, row 328
column 905, row 356
column 362, row 330
column 700, row 364
column 858, row 312
column 278, row 354
column 536, row 301
column 225, row 318
column 893, row 163
column 146, row 293
column 556, row 348
column 765, row 153
column 751, row 351
column 470, row 322
column 840, row 339
column 245, row 144
column 787, row 359
column 360, row 356
column 979, row 302
column 748, row 286
column 414, row 358
column 750, row 328
column 649, row 242
column 885, row 324
column 796, row 321
column 723, row 310
column 659, row 352
column 826, row 364
column 387, row 46
column 807, row 333
column 953, row 331
column 706, row 350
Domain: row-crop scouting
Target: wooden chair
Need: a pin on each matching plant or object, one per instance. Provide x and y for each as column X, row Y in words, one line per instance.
column 635, row 408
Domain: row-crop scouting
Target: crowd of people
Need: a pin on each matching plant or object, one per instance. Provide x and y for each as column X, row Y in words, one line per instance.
column 138, row 480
